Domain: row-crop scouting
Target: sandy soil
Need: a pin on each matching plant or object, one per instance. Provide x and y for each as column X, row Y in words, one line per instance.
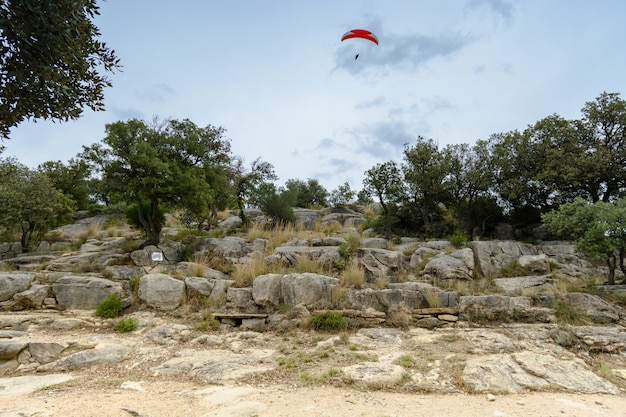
column 175, row 398
column 120, row 390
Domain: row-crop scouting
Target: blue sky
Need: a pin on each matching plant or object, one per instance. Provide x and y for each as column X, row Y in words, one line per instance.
column 276, row 76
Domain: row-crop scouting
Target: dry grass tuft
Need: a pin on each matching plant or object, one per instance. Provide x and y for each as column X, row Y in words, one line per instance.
column 245, row 273
column 353, row 276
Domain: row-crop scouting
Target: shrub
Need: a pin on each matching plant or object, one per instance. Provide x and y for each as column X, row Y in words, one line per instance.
column 329, row 321
column 459, row 239
column 568, row 313
column 126, row 325
column 110, row 307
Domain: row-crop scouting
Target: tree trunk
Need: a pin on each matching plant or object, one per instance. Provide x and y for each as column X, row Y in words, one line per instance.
column 150, row 222
column 611, row 261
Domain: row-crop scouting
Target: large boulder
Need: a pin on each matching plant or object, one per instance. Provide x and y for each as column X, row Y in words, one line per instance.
column 13, row 282
column 309, row 289
column 289, row 255
column 307, row 218
column 483, row 308
column 457, row 265
column 492, row 256
column 83, row 291
column 161, row 292
column 594, row 307
column 380, row 262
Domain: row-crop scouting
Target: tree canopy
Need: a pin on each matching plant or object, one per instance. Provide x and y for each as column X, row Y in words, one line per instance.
column 51, row 61
column 174, row 164
column 29, row 204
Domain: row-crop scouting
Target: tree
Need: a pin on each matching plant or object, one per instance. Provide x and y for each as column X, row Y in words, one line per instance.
column 342, row 195
column 71, row 179
column 306, row 194
column 427, row 179
column 384, row 183
column 472, row 179
column 246, row 182
column 30, row 204
column 603, row 128
column 599, row 229
column 50, row 61
column 161, row 165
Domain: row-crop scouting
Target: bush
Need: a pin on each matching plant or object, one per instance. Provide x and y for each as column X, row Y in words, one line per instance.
column 126, row 325
column 329, row 321
column 110, row 307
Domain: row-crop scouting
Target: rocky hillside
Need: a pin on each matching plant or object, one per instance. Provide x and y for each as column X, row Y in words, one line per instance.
column 323, row 303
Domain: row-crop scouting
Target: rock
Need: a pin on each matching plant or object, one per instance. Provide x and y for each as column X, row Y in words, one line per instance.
column 230, row 223
column 306, row 217
column 169, row 334
column 374, row 242
column 311, row 290
column 492, row 256
column 498, row 373
column 240, row 299
column 608, row 339
column 216, row 366
column 380, row 263
column 457, row 265
column 571, row 374
column 32, row 298
column 289, row 254
column 83, row 291
column 538, row 264
column 374, row 374
column 502, row 308
column 12, row 283
column 160, row 291
column 595, row 308
column 104, row 353
column 28, row 384
column 266, row 290
column 519, row 283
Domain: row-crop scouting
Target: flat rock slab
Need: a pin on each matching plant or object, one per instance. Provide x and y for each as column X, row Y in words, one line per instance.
column 31, row 383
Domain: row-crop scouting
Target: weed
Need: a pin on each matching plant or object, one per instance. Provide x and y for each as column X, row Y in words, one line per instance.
column 110, row 307
column 405, row 361
column 126, row 325
column 459, row 239
column 329, row 321
column 568, row 313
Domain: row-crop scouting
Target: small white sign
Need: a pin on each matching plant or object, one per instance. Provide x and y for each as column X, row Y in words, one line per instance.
column 157, row 256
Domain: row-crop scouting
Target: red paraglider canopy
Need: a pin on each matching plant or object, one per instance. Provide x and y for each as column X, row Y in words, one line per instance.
column 360, row 33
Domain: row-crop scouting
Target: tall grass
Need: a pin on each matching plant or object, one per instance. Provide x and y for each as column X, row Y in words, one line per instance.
column 353, row 275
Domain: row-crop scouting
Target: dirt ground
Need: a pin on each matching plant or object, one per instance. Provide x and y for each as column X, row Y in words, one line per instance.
column 122, row 390
column 185, row 398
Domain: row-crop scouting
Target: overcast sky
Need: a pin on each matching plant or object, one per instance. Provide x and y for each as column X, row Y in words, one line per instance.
column 276, row 76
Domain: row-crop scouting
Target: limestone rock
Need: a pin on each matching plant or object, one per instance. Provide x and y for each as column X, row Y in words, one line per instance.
column 83, row 291
column 160, row 291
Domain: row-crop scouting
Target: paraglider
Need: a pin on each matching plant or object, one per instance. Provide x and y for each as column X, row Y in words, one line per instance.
column 362, row 34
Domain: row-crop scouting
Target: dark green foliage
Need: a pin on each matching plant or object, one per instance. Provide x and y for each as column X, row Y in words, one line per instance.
column 50, row 61
column 132, row 215
column 309, row 194
column 71, row 179
column 110, row 307
column 29, row 205
column 126, row 325
column 329, row 321
column 173, row 164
